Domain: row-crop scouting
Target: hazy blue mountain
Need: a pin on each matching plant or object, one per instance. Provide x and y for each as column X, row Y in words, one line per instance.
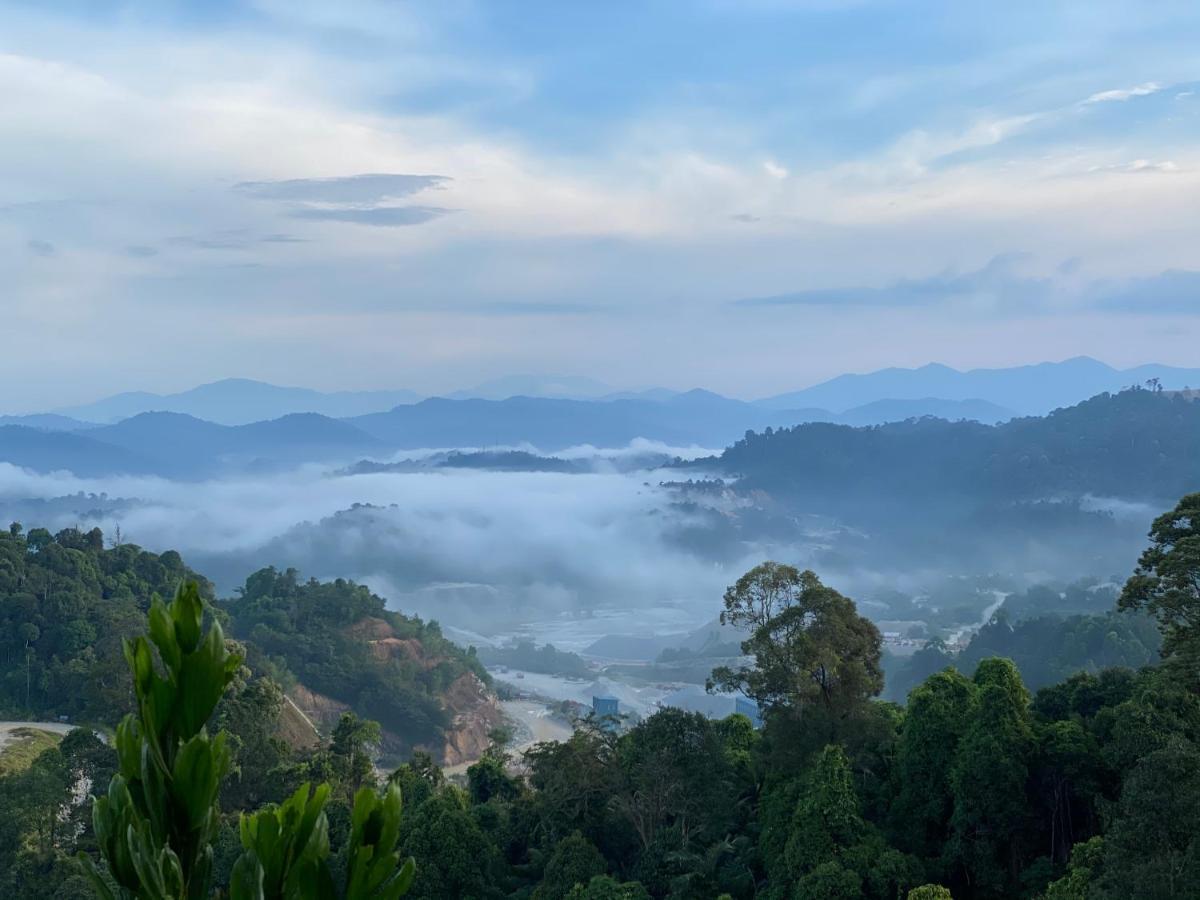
column 881, row 411
column 1028, row 390
column 560, row 387
column 47, row 422
column 52, row 451
column 694, row 418
column 183, row 446
column 659, row 394
column 240, row 401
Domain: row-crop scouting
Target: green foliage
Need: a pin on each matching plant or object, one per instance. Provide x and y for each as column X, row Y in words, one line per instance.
column 575, row 861
column 156, row 824
column 936, row 719
column 66, row 602
column 988, row 779
column 1167, row 580
column 454, row 856
column 287, row 849
column 1152, row 846
column 527, row 655
column 810, row 646
column 1046, row 649
column 321, row 633
column 25, row 745
column 930, row 892
column 1136, row 443
column 601, row 887
column 1083, row 873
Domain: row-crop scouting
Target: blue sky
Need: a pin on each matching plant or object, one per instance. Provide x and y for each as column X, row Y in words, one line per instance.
column 748, row 196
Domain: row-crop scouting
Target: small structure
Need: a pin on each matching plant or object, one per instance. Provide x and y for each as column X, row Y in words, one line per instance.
column 749, row 709
column 604, row 705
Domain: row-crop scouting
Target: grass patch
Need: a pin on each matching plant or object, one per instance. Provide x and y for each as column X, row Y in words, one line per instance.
column 27, row 744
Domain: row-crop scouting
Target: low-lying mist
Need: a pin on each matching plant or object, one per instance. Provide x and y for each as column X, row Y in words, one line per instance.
column 455, row 544
column 484, row 550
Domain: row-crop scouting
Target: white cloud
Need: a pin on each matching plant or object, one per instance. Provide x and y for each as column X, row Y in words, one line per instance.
column 775, row 170
column 1141, row 90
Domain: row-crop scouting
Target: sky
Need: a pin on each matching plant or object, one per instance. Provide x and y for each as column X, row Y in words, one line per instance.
column 745, row 195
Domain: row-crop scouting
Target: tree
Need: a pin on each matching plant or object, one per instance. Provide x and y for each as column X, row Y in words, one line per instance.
column 355, row 743
column 938, row 714
column 575, row 861
column 930, row 892
column 1166, row 582
column 811, row 649
column 1152, row 847
column 827, row 818
column 1083, row 872
column 989, row 778
column 676, row 775
column 454, row 857
column 601, row 887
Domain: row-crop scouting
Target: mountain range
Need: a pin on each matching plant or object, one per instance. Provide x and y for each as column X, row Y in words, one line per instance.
column 242, row 425
column 1026, row 390
column 177, row 445
column 987, row 394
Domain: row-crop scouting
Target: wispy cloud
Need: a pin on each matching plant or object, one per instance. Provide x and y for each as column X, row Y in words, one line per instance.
column 1000, row 286
column 368, row 188
column 1141, row 90
column 994, row 284
column 358, row 199
column 387, row 216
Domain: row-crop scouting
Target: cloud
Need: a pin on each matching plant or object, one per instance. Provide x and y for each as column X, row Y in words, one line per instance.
column 357, row 199
column 1000, row 286
column 41, row 248
column 994, row 285
column 520, row 537
column 775, row 170
column 1141, row 90
column 1139, row 165
column 1173, row 292
column 387, row 216
column 366, row 189
column 140, row 251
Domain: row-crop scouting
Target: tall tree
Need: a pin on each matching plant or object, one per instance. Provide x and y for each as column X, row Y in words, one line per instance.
column 811, row 648
column 1167, row 580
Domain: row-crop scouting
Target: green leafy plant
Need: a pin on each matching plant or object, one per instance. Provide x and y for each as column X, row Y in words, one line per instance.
column 286, row 850
column 156, row 824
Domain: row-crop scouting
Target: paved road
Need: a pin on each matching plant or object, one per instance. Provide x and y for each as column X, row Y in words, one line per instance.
column 533, row 723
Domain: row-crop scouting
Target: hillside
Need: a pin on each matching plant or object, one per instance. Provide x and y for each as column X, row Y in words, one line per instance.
column 341, row 649
column 67, row 601
column 1134, row 444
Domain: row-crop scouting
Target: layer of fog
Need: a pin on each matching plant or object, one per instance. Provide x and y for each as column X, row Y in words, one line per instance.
column 548, row 555
column 468, row 546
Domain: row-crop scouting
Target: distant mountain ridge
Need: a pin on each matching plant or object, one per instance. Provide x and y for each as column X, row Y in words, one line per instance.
column 239, row 401
column 1026, row 390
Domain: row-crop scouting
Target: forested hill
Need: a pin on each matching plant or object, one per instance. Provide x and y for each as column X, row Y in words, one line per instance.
column 1134, row 444
column 67, row 601
column 345, row 650
column 65, row 604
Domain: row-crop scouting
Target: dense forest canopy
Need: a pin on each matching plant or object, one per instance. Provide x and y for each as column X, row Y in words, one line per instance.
column 1135, row 444
column 311, row 632
column 975, row 787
